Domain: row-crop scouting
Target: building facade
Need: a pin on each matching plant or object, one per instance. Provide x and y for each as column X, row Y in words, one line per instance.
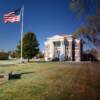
column 63, row 47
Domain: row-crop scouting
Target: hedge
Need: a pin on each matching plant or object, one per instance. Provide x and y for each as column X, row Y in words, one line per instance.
column 3, row 56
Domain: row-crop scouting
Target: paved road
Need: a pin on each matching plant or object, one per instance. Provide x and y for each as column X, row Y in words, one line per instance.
column 8, row 62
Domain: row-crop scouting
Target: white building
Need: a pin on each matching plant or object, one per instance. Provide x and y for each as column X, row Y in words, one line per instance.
column 63, row 47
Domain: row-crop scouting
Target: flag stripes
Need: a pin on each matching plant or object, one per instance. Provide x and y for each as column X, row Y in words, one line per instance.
column 12, row 17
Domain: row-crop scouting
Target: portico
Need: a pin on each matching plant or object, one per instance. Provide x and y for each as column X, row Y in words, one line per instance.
column 62, row 47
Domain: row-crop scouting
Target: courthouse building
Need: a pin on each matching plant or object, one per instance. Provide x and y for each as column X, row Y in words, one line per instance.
column 63, row 47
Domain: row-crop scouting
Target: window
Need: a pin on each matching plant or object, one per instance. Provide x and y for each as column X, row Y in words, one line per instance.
column 57, row 44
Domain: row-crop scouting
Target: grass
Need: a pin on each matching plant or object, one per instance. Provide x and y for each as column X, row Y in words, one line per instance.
column 52, row 81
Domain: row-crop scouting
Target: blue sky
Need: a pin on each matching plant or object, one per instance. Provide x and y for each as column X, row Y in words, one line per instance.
column 43, row 17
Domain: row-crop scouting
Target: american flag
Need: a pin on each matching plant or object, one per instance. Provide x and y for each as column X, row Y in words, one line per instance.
column 12, row 17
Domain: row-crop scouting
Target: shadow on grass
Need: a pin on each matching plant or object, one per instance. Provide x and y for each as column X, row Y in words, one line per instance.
column 27, row 73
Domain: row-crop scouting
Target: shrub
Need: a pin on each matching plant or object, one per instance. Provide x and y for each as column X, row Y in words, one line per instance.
column 3, row 56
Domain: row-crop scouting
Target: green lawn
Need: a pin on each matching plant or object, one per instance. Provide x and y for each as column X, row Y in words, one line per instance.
column 52, row 81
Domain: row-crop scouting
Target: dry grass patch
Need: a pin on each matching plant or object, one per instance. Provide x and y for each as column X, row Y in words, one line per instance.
column 53, row 81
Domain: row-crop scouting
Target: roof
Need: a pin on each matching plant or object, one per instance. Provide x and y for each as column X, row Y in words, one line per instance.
column 59, row 36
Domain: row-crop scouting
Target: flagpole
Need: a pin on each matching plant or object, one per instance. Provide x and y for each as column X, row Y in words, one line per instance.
column 22, row 16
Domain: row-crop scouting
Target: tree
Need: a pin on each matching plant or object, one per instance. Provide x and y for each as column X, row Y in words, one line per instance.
column 83, row 7
column 91, row 32
column 12, row 54
column 40, row 55
column 80, row 31
column 30, row 46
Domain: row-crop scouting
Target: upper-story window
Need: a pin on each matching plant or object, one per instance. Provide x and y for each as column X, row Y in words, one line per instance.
column 57, row 44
